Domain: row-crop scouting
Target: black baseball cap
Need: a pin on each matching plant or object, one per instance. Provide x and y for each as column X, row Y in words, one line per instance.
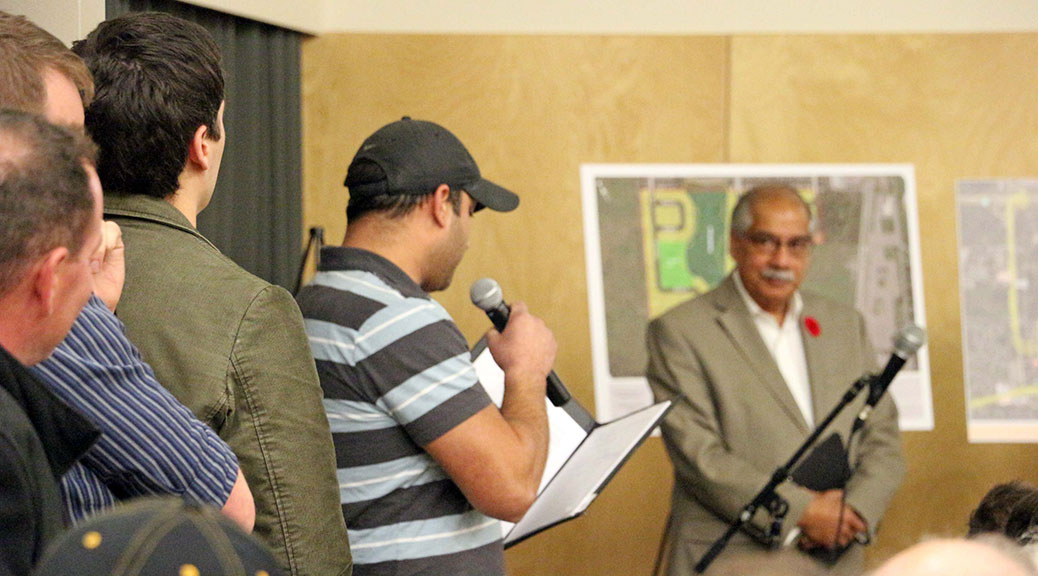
column 158, row 536
column 414, row 157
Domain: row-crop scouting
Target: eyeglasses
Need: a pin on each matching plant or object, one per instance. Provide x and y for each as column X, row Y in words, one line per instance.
column 769, row 244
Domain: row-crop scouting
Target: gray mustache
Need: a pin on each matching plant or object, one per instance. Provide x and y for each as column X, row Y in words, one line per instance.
column 776, row 274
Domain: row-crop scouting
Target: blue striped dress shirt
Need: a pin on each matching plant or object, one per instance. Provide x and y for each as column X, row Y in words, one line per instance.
column 150, row 442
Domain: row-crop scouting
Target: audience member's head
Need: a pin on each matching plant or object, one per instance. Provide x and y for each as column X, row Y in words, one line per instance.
column 39, row 74
column 986, row 555
column 51, row 213
column 994, row 509
column 1022, row 524
column 156, row 537
column 159, row 88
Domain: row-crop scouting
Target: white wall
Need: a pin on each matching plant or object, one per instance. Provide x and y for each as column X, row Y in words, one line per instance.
column 300, row 15
column 639, row 17
column 67, row 19
column 73, row 19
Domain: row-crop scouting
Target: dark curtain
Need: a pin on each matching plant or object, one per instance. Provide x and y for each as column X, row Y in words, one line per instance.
column 255, row 217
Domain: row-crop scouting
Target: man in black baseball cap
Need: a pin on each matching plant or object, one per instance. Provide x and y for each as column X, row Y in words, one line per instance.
column 413, row 157
column 426, row 461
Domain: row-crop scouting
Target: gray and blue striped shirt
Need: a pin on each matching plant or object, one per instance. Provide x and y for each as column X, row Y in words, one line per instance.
column 396, row 375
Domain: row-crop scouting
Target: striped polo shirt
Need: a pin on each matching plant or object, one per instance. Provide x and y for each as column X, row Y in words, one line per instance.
column 150, row 442
column 396, row 375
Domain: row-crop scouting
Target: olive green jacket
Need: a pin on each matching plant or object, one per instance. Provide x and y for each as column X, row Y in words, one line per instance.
column 231, row 347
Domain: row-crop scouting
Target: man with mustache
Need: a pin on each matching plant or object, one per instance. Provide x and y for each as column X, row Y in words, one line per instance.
column 752, row 366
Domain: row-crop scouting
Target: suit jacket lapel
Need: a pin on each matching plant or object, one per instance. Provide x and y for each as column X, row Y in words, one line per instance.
column 738, row 324
column 819, row 350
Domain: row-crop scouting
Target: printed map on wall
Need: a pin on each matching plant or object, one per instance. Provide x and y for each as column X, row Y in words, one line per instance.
column 998, row 276
column 657, row 235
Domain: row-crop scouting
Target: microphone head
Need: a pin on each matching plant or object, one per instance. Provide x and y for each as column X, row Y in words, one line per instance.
column 486, row 294
column 909, row 340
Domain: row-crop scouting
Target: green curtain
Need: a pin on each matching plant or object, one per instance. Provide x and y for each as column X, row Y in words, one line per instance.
column 255, row 217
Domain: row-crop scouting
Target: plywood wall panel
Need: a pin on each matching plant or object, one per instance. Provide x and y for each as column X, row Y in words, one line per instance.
column 531, row 110
column 954, row 107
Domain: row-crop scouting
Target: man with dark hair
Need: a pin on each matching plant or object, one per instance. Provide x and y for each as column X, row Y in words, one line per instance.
column 1022, row 523
column 751, row 367
column 48, row 237
column 152, row 97
column 424, row 457
column 995, row 507
column 227, row 344
column 151, row 444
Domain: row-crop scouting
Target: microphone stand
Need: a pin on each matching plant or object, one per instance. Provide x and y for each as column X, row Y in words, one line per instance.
column 768, row 496
column 316, row 240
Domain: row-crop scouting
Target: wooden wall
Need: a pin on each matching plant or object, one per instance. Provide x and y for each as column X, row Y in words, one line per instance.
column 531, row 109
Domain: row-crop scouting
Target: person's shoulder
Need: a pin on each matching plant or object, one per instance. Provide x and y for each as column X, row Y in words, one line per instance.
column 700, row 307
column 425, row 316
column 818, row 303
column 162, row 243
column 17, row 428
column 267, row 303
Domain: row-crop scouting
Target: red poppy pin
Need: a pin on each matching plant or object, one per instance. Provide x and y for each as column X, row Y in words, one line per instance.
column 812, row 326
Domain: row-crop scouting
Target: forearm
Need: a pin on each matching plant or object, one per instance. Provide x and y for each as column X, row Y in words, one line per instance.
column 877, row 459
column 722, row 481
column 706, row 466
column 240, row 506
column 151, row 444
column 523, row 408
column 879, row 465
column 525, row 351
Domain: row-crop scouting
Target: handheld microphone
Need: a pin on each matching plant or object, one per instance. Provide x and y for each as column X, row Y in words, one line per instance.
column 486, row 294
column 908, row 341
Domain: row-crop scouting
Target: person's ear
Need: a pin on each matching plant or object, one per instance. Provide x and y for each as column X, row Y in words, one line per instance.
column 441, row 205
column 199, row 148
column 47, row 278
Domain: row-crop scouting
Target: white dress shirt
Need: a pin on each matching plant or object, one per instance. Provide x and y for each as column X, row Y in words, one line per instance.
column 786, row 345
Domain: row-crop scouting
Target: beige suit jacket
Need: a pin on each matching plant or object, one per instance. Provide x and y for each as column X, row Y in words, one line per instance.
column 735, row 421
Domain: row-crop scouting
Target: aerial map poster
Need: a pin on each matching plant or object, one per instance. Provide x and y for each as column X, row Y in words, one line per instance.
column 656, row 235
column 998, row 262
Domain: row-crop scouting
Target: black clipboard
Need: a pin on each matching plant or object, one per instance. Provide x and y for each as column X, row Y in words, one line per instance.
column 826, row 467
column 592, row 455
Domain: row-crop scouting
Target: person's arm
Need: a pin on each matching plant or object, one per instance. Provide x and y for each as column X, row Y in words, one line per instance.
column 279, row 430
column 819, row 521
column 878, row 463
column 151, row 443
column 497, row 457
column 704, row 466
column 240, row 506
column 108, row 265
